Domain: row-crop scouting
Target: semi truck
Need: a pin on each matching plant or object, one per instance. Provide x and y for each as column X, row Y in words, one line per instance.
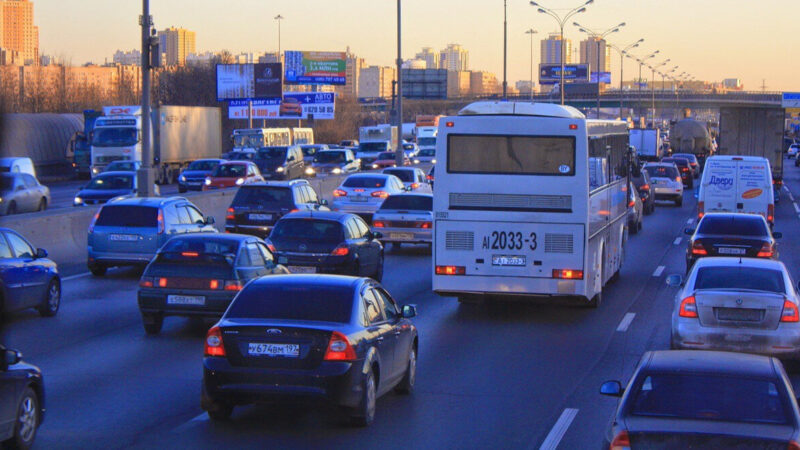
column 753, row 132
column 647, row 142
column 80, row 149
column 180, row 134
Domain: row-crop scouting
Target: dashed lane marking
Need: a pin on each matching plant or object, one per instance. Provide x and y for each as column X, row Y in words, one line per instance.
column 626, row 322
column 73, row 277
column 200, row 418
column 677, row 241
column 659, row 271
column 796, row 208
column 690, row 221
column 557, row 432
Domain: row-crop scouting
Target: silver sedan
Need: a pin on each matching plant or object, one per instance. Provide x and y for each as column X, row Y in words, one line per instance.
column 744, row 305
column 22, row 192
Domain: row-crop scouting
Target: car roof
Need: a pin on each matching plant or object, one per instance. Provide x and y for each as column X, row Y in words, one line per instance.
column 735, row 261
column 734, row 216
column 709, row 362
column 116, row 172
column 409, row 169
column 233, row 237
column 660, row 164
column 310, row 280
column 146, row 201
column 684, row 155
column 370, row 175
column 285, row 184
column 323, row 215
column 210, row 159
column 238, row 163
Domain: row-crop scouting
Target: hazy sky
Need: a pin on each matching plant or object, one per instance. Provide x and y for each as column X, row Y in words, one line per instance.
column 711, row 39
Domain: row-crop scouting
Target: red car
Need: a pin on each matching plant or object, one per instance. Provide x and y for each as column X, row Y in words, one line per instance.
column 290, row 107
column 232, row 173
column 387, row 159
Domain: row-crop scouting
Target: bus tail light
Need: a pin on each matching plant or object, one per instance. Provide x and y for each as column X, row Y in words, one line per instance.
column 790, row 312
column 698, row 249
column 451, row 270
column 449, row 124
column 568, row 274
column 424, row 225
column 573, row 126
column 766, row 251
column 688, row 308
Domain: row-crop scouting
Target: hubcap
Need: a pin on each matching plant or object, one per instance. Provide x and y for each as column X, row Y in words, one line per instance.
column 54, row 296
column 27, row 419
column 412, row 368
column 370, row 397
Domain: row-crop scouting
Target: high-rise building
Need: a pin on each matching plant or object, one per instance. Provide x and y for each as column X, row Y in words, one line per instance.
column 376, row 81
column 454, row 58
column 551, row 50
column 131, row 58
column 176, row 44
column 589, row 53
column 458, row 83
column 353, row 66
column 481, row 83
column 430, row 57
column 19, row 37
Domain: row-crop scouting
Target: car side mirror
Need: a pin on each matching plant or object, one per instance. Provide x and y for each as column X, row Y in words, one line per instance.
column 210, row 220
column 376, row 235
column 674, row 280
column 612, row 389
column 409, row 311
column 41, row 253
column 777, row 234
column 689, row 231
column 11, row 357
column 323, row 202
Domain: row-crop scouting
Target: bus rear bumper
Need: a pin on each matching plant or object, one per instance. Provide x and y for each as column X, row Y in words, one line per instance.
column 469, row 286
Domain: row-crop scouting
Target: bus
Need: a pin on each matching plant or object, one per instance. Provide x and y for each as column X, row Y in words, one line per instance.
column 302, row 136
column 255, row 138
column 530, row 201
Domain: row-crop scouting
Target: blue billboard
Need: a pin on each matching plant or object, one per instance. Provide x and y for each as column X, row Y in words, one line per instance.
column 551, row 73
column 605, row 77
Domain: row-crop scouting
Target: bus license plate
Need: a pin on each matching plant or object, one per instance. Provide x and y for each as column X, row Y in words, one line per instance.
column 257, row 349
column 502, row 260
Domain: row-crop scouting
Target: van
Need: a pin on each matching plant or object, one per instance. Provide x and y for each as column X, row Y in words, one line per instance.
column 739, row 184
column 281, row 162
column 17, row 165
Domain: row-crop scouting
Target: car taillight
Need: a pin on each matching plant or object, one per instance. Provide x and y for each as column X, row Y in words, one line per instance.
column 161, row 282
column 339, row 348
column 701, row 209
column 230, row 215
column 793, row 445
column 414, row 185
column 341, row 250
column 645, row 187
column 693, row 164
column 94, row 220
column 770, row 213
column 621, row 441
column 339, row 193
column 678, row 179
column 381, row 194
column 215, row 284
column 424, row 225
column 568, row 274
column 684, row 169
column 146, row 282
column 631, row 203
column 688, row 308
column 160, row 221
column 698, row 249
column 233, row 285
column 190, row 254
column 790, row 312
column 214, row 345
column 379, row 224
column 451, row 270
column 429, row 177
column 271, row 246
column 766, row 251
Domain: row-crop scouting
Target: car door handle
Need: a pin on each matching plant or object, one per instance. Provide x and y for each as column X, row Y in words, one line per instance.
column 379, row 339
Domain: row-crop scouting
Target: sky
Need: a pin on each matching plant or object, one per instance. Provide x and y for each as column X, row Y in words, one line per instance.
column 756, row 41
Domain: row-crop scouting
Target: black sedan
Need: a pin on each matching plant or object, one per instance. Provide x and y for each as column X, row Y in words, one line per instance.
column 335, row 338
column 21, row 400
column 641, row 179
column 199, row 274
column 731, row 234
column 327, row 242
column 701, row 399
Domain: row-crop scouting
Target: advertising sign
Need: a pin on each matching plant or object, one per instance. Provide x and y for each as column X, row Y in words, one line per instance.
column 315, row 67
column 605, row 77
column 551, row 73
column 294, row 105
column 249, row 81
column 791, row 100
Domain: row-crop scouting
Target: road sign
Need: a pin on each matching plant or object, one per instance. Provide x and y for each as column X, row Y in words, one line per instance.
column 551, row 73
column 791, row 100
column 321, row 105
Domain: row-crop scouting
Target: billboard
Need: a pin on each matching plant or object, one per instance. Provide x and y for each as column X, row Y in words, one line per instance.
column 551, row 73
column 293, row 105
column 605, row 77
column 315, row 67
column 790, row 100
column 249, row 81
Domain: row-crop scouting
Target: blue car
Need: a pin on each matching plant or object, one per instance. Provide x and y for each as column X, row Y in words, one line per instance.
column 192, row 178
column 106, row 186
column 27, row 278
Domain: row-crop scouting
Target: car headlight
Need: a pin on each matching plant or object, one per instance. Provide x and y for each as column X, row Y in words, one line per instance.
column 309, row 170
column 433, row 161
column 374, row 166
column 279, row 169
column 182, row 179
column 239, row 181
column 95, row 170
column 208, row 182
column 416, row 161
column 336, row 171
column 77, row 201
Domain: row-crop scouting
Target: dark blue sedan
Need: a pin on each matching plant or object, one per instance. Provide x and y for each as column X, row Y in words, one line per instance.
column 27, row 278
column 21, row 400
column 192, row 178
column 106, row 186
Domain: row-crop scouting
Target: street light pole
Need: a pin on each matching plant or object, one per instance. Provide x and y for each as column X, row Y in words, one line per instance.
column 144, row 176
column 279, row 18
column 622, row 53
column 598, row 37
column 399, row 150
column 653, row 88
column 639, row 82
column 531, row 32
column 505, row 49
column 561, row 21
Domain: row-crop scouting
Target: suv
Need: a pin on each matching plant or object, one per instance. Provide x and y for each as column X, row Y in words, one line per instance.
column 130, row 231
column 256, row 207
column 281, row 162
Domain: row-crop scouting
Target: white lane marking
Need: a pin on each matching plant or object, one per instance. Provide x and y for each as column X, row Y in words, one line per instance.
column 73, row 277
column 676, row 241
column 796, row 208
column 787, row 188
column 557, row 432
column 689, row 222
column 659, row 271
column 791, row 197
column 626, row 322
column 200, row 418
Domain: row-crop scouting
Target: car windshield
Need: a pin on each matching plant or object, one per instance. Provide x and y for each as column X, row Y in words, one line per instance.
column 309, row 150
column 327, row 157
column 736, row 277
column 404, row 175
column 661, row 172
column 230, row 171
column 128, row 216
column 264, row 196
column 293, row 302
column 676, row 161
column 205, row 166
column 691, row 158
column 308, row 229
column 198, row 250
column 114, row 137
column 372, row 147
column 365, row 182
column 408, row 202
column 272, row 152
column 242, row 156
column 711, row 397
column 427, row 152
column 110, row 182
column 386, row 155
column 740, row 225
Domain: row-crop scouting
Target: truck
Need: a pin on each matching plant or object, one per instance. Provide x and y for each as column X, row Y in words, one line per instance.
column 80, row 149
column 180, row 135
column 374, row 140
column 753, row 132
column 691, row 136
column 647, row 142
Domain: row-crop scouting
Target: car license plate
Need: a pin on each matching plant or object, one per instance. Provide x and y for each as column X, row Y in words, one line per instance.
column 358, row 198
column 502, row 260
column 197, row 300
column 731, row 251
column 123, row 237
column 260, row 216
column 258, row 349
column 739, row 314
column 402, row 236
column 302, row 269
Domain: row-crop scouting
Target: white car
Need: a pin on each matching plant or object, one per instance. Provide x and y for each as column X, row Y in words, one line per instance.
column 792, row 151
column 405, row 218
column 426, row 155
column 666, row 181
column 635, row 210
column 413, row 178
column 746, row 305
column 363, row 193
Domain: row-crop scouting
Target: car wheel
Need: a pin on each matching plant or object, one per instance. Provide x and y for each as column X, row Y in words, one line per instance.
column 220, row 411
column 633, row 227
column 364, row 413
column 181, row 189
column 27, row 421
column 52, row 300
column 595, row 301
column 406, row 385
column 378, row 275
column 152, row 323
column 98, row 270
column 42, row 204
column 12, row 208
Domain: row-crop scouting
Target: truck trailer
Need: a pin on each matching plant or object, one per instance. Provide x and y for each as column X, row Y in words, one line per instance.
column 753, row 132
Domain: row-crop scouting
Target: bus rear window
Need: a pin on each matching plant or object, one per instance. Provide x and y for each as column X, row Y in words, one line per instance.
column 516, row 155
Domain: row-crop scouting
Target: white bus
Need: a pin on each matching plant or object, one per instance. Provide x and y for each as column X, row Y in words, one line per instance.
column 254, row 138
column 530, row 200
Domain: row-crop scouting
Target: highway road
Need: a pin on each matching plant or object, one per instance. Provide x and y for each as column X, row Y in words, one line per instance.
column 508, row 375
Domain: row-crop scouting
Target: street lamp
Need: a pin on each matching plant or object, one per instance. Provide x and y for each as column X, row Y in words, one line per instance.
column 653, row 88
column 531, row 32
column 641, row 63
column 561, row 21
column 598, row 37
column 279, row 18
column 622, row 53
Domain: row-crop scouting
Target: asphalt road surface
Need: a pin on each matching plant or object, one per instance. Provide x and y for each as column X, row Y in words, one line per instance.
column 512, row 375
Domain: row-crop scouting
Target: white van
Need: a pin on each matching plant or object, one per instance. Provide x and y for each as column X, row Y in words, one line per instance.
column 17, row 164
column 741, row 184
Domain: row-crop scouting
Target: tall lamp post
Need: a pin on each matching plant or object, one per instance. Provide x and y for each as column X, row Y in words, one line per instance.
column 641, row 62
column 653, row 88
column 622, row 52
column 145, row 177
column 598, row 37
column 399, row 150
column 278, row 19
column 561, row 21
column 531, row 32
